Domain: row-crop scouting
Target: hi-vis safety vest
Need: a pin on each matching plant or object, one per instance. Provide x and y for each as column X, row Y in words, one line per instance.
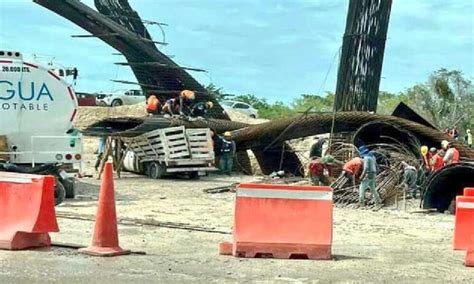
column 152, row 103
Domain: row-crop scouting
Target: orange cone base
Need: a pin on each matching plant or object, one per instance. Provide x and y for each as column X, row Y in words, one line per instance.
column 281, row 251
column 104, row 251
column 22, row 240
column 469, row 260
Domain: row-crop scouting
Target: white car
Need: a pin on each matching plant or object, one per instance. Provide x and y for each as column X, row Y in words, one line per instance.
column 240, row 106
column 114, row 99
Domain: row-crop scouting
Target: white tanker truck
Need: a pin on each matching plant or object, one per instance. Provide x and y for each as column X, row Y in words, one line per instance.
column 37, row 111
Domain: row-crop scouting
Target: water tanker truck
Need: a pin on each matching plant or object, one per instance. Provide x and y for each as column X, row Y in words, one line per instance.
column 37, row 111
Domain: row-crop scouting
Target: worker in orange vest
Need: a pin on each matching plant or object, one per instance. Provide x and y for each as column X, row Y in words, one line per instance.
column 437, row 161
column 452, row 154
column 153, row 105
column 352, row 168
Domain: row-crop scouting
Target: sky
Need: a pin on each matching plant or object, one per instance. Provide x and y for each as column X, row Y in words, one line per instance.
column 273, row 49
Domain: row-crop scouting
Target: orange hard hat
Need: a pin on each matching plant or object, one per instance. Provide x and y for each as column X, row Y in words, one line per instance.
column 188, row 94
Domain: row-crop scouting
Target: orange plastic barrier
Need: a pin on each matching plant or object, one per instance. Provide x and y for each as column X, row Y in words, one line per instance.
column 105, row 241
column 469, row 191
column 464, row 223
column 469, row 259
column 26, row 211
column 281, row 221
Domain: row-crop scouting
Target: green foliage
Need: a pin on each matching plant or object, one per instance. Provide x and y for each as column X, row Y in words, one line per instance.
column 265, row 109
column 315, row 102
column 215, row 91
column 447, row 99
column 389, row 101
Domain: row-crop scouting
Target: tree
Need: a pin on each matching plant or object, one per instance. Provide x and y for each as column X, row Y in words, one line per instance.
column 253, row 100
column 387, row 102
column 317, row 103
column 265, row 109
column 215, row 91
column 447, row 99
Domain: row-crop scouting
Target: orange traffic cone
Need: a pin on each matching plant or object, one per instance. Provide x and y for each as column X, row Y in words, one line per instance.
column 105, row 241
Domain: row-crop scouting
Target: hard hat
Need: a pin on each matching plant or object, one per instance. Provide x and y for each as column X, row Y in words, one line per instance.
column 444, row 143
column 424, row 150
column 468, row 131
column 363, row 150
column 210, row 104
column 433, row 150
column 188, row 94
column 328, row 159
column 227, row 134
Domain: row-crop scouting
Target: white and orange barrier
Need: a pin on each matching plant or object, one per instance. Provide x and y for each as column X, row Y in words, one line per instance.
column 27, row 212
column 281, row 221
column 469, row 191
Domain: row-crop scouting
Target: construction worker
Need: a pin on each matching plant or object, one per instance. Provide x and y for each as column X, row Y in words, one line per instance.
column 351, row 169
column 468, row 138
column 437, row 160
column 452, row 154
column 455, row 133
column 170, row 107
column 186, row 98
column 368, row 176
column 100, row 152
column 317, row 168
column 426, row 156
column 317, row 148
column 201, row 109
column 227, row 149
column 410, row 176
column 153, row 105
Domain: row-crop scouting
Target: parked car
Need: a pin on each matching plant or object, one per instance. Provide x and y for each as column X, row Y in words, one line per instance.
column 240, row 106
column 86, row 99
column 114, row 99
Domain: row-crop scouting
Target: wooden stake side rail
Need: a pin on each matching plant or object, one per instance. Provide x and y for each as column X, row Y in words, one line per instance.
column 174, row 146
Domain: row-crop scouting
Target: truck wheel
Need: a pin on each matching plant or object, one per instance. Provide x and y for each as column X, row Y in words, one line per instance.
column 156, row 170
column 59, row 193
column 117, row 102
column 69, row 186
column 194, row 175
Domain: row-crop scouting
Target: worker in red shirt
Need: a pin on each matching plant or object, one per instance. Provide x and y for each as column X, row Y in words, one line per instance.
column 427, row 155
column 437, row 161
column 317, row 168
column 153, row 105
column 452, row 154
column 352, row 168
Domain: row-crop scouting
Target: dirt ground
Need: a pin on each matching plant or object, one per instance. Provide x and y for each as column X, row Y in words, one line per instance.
column 385, row 246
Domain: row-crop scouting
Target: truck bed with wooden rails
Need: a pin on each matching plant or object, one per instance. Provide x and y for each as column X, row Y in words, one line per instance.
column 169, row 151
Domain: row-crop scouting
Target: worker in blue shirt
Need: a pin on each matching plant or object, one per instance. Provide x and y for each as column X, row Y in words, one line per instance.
column 369, row 173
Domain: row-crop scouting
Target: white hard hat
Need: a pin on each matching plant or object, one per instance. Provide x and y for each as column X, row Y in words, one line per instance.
column 444, row 143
